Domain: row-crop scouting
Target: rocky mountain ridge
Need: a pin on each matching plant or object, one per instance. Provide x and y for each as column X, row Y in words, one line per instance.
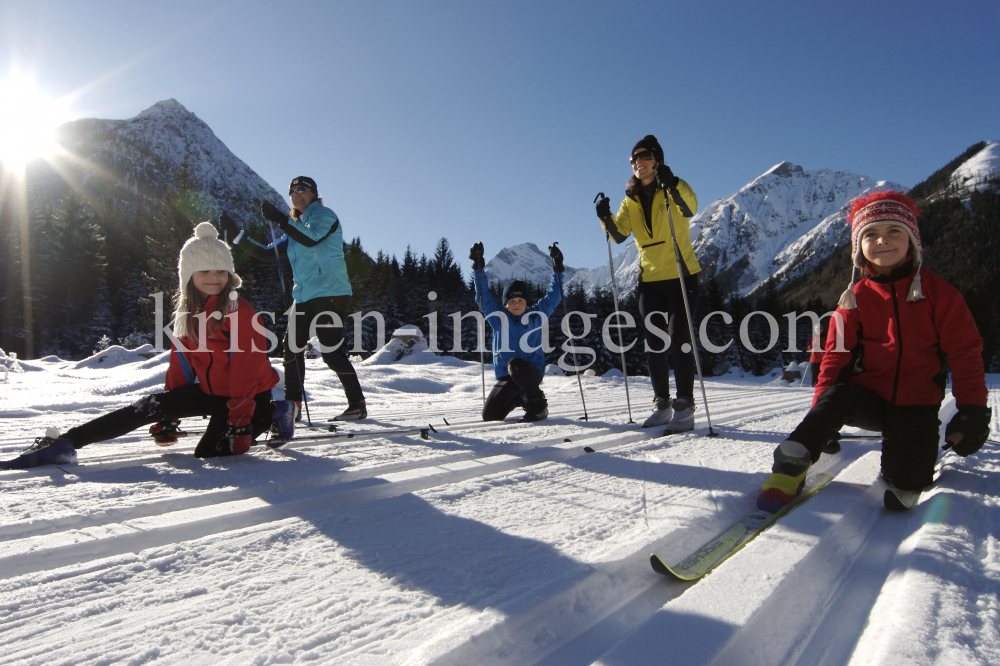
column 132, row 165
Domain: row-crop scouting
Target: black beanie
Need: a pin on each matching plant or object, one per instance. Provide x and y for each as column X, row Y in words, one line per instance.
column 307, row 181
column 514, row 289
column 650, row 143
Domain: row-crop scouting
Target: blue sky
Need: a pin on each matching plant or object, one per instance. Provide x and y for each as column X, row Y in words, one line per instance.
column 499, row 122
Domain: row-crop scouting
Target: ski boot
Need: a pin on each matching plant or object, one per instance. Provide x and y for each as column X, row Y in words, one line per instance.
column 48, row 450
column 683, row 419
column 166, row 432
column 535, row 411
column 282, row 423
column 791, row 463
column 354, row 412
column 663, row 411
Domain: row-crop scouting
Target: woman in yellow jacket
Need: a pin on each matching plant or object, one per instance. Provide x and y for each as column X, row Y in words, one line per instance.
column 643, row 215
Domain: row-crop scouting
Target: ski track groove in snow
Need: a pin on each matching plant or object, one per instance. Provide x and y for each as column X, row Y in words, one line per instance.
column 487, row 546
column 131, row 533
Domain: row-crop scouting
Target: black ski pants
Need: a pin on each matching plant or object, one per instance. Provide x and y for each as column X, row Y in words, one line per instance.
column 521, row 387
column 910, row 433
column 317, row 310
column 665, row 301
column 180, row 403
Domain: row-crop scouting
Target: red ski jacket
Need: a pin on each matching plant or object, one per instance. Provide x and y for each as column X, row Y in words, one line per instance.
column 223, row 368
column 898, row 349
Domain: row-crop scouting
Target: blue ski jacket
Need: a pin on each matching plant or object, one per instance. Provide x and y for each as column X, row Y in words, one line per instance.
column 528, row 324
column 318, row 266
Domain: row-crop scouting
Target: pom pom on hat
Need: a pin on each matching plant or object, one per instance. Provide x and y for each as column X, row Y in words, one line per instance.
column 206, row 230
column 205, row 252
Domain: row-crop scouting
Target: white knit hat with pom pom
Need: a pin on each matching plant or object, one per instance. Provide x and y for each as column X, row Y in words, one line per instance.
column 205, row 252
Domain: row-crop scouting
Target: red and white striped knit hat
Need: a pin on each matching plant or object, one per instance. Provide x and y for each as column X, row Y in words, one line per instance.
column 883, row 208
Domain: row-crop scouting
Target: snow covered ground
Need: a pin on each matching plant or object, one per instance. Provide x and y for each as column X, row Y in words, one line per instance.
column 506, row 544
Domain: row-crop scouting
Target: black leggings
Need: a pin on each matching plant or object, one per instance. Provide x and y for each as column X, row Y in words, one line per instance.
column 180, row 403
column 910, row 433
column 521, row 387
column 664, row 296
column 337, row 360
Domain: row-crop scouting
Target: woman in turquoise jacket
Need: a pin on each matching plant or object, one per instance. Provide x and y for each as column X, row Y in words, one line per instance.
column 314, row 245
column 518, row 360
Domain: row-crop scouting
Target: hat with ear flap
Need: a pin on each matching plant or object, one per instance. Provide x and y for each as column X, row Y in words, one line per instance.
column 877, row 208
column 205, row 252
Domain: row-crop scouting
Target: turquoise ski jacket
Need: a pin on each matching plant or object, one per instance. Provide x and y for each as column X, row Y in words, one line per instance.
column 318, row 266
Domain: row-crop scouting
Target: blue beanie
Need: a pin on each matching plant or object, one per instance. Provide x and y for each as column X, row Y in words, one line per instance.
column 515, row 289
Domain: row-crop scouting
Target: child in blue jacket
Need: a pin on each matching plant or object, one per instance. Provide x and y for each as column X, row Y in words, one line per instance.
column 518, row 360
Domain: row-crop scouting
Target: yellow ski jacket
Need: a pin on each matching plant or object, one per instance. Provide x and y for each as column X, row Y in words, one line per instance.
column 656, row 247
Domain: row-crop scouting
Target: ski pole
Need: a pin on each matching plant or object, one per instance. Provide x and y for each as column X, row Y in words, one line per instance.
column 576, row 364
column 481, row 339
column 614, row 294
column 281, row 279
column 687, row 310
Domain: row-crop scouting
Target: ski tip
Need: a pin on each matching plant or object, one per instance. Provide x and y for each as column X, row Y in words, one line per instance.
column 587, row 449
column 659, row 566
column 893, row 502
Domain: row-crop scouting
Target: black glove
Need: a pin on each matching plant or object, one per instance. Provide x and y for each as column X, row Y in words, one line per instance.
column 973, row 422
column 228, row 227
column 557, row 258
column 271, row 213
column 665, row 178
column 604, row 208
column 476, row 254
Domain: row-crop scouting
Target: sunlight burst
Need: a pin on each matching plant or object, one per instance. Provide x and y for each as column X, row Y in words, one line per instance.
column 28, row 120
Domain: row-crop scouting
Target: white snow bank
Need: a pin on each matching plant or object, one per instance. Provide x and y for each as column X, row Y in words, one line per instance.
column 116, row 355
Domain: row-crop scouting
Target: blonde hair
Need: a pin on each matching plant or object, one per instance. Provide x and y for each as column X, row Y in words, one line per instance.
column 296, row 214
column 189, row 302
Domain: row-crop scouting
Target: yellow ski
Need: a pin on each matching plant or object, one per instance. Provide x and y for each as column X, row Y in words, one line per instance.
column 742, row 532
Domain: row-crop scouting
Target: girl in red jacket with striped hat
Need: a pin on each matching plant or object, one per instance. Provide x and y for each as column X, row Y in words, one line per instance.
column 895, row 334
column 218, row 368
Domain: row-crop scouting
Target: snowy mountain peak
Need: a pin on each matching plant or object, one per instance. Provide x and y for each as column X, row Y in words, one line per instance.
column 132, row 164
column 167, row 107
column 523, row 262
column 784, row 169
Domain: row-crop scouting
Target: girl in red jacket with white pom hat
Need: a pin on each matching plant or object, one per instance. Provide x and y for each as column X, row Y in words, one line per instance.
column 896, row 333
column 218, row 368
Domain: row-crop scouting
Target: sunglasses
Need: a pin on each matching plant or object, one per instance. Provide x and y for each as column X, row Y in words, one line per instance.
column 645, row 156
column 299, row 189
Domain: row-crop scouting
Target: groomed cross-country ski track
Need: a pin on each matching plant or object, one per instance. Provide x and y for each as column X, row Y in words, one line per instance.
column 482, row 544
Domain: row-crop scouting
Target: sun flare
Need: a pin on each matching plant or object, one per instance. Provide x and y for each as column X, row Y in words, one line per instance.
column 28, row 120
